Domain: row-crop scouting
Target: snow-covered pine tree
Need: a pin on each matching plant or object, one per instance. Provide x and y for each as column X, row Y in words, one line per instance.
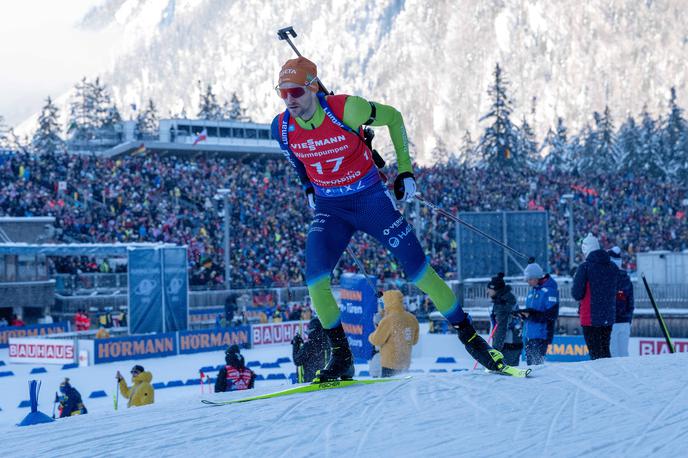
column 467, row 151
column 649, row 161
column 440, row 153
column 234, row 111
column 556, row 147
column 601, row 153
column 147, row 121
column 208, row 108
column 499, row 141
column 102, row 103
column 46, row 140
column 113, row 116
column 675, row 139
column 82, row 114
column 580, row 148
column 527, row 150
column 628, row 141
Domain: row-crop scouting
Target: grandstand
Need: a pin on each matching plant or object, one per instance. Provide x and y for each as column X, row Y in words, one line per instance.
column 26, row 289
column 164, row 192
column 198, row 136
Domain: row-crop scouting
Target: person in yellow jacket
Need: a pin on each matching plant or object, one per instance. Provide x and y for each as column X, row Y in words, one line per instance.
column 396, row 334
column 141, row 392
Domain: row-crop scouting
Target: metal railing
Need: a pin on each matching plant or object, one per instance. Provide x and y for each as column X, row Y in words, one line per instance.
column 77, row 291
column 73, row 283
column 667, row 296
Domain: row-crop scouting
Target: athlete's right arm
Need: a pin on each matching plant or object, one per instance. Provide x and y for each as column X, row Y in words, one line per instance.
column 298, row 165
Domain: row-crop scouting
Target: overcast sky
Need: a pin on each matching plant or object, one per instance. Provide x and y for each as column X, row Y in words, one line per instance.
column 43, row 53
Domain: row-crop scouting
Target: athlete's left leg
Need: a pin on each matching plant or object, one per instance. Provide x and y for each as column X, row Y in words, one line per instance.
column 382, row 220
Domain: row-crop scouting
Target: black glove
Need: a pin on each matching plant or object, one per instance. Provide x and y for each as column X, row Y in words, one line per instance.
column 405, row 186
column 297, row 340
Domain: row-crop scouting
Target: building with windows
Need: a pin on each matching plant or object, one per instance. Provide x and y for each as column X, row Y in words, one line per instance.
column 198, row 136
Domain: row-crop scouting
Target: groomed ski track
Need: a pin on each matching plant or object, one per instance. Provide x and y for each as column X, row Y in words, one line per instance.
column 616, row 407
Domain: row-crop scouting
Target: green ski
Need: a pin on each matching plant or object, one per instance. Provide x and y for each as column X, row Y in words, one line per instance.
column 514, row 372
column 306, row 389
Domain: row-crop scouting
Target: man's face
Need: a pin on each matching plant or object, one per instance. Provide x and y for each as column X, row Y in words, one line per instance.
column 301, row 106
column 491, row 292
column 533, row 282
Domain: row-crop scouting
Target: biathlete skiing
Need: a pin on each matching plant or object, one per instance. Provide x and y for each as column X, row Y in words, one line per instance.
column 322, row 136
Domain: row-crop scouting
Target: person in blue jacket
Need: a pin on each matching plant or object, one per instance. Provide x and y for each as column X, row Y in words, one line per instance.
column 595, row 287
column 70, row 401
column 621, row 331
column 541, row 309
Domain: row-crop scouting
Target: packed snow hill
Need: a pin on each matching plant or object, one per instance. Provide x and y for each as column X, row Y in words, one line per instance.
column 635, row 406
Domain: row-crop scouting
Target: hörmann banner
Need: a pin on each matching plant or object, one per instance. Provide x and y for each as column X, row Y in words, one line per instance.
column 213, row 339
column 37, row 330
column 135, row 347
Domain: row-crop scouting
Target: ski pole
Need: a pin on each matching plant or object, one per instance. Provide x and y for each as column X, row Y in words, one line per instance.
column 57, row 399
column 662, row 324
column 445, row 213
column 116, row 396
column 362, row 269
column 489, row 341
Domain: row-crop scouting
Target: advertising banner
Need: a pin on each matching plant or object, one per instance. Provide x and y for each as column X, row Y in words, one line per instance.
column 276, row 333
column 41, row 351
column 31, row 331
column 145, row 291
column 175, row 288
column 573, row 348
column 135, row 347
column 567, row 349
column 213, row 339
column 656, row 346
column 205, row 314
column 359, row 304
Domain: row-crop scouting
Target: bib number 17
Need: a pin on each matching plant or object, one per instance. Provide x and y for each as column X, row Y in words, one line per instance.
column 337, row 163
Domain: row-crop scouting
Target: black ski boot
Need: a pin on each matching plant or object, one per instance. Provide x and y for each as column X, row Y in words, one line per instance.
column 341, row 363
column 480, row 350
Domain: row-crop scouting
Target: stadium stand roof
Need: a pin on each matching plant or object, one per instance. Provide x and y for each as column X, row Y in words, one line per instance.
column 76, row 249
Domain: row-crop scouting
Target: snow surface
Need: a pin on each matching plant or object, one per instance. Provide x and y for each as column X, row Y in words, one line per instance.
column 617, row 407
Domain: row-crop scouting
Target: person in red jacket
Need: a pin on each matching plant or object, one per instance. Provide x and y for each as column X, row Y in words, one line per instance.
column 82, row 321
column 17, row 321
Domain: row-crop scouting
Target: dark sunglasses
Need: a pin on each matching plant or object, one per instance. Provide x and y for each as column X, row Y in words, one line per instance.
column 135, row 372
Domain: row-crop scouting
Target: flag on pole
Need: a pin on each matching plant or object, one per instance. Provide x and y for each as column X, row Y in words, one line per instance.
column 202, row 136
column 140, row 150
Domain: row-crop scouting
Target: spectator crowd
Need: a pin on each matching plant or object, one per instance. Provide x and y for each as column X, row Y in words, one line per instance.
column 151, row 197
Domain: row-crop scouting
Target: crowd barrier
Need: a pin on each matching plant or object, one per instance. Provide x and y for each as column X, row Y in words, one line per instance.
column 166, row 344
column 573, row 348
